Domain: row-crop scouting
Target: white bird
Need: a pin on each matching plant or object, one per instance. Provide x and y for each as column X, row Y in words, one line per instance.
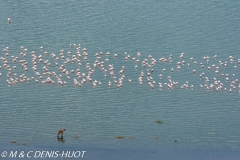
column 9, row 20
column 138, row 54
column 129, row 80
column 109, row 83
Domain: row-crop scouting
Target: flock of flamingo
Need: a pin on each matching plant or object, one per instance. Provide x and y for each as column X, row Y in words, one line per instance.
column 62, row 76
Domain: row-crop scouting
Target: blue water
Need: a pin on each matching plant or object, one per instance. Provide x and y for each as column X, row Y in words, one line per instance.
column 32, row 113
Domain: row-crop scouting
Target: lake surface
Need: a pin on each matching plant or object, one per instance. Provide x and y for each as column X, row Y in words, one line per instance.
column 32, row 113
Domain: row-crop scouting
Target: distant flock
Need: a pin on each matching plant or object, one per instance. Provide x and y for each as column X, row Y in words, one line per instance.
column 53, row 70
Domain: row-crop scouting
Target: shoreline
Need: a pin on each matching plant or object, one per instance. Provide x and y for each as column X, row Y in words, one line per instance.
column 68, row 151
